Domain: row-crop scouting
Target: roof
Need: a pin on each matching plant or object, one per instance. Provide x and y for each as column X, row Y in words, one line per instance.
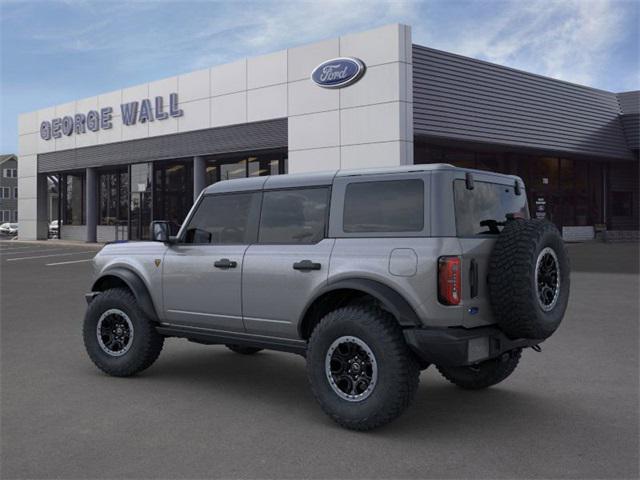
column 630, row 117
column 326, row 178
column 458, row 98
column 6, row 158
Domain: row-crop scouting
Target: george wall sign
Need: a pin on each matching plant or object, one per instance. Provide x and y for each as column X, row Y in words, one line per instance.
column 94, row 120
column 338, row 72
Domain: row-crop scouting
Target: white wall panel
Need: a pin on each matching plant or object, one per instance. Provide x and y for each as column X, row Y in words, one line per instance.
column 374, row 47
column 28, row 123
column 380, row 84
column 194, row 85
column 372, row 123
column 196, row 115
column 266, row 103
column 318, row 159
column 306, row 97
column 131, row 132
column 314, row 130
column 111, row 99
column 229, row 78
column 162, row 88
column 267, row 70
column 28, row 144
column 163, row 127
column 229, row 109
column 303, row 59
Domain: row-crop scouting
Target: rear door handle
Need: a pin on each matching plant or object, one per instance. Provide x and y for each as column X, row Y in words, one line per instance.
column 306, row 265
column 225, row 263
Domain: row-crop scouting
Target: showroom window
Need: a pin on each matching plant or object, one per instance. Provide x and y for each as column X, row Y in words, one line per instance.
column 113, row 194
column 73, row 191
column 294, row 216
column 245, row 165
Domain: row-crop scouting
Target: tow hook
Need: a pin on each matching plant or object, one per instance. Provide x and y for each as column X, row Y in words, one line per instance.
column 536, row 348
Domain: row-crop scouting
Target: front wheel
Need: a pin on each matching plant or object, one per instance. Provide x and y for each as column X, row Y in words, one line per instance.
column 485, row 374
column 119, row 338
column 360, row 369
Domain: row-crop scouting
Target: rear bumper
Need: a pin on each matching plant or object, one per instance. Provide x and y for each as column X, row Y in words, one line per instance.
column 453, row 347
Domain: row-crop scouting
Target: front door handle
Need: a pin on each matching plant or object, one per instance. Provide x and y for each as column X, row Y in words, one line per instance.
column 306, row 265
column 225, row 263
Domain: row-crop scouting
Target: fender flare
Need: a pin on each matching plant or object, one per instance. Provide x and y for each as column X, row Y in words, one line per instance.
column 135, row 284
column 392, row 301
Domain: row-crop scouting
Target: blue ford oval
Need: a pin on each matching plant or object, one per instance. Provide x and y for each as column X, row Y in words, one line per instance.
column 338, row 72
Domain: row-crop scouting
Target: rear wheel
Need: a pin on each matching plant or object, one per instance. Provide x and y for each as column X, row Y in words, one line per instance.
column 119, row 338
column 360, row 369
column 242, row 349
column 485, row 374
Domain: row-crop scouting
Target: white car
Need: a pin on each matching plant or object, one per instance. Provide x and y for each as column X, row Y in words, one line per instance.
column 9, row 228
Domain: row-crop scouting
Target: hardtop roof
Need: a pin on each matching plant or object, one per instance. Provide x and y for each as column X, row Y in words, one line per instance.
column 311, row 179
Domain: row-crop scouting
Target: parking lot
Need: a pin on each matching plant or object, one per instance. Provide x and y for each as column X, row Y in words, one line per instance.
column 203, row 411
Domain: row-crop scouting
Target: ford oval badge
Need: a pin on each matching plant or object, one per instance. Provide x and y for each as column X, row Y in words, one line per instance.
column 338, row 72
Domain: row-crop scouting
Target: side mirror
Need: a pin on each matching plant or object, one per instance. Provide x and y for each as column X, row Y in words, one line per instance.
column 160, row 231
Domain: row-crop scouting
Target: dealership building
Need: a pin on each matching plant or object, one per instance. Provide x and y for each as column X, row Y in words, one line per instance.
column 115, row 161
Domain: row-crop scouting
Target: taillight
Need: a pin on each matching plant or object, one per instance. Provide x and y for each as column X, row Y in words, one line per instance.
column 449, row 280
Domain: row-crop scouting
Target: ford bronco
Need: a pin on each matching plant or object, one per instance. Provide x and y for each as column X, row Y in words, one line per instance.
column 372, row 275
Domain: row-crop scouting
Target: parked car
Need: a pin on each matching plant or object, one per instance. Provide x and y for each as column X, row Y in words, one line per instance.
column 54, row 229
column 371, row 275
column 9, row 228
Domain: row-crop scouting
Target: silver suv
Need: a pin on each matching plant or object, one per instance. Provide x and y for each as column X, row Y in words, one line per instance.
column 372, row 275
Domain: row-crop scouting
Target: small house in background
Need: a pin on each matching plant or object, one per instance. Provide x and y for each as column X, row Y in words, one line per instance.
column 9, row 188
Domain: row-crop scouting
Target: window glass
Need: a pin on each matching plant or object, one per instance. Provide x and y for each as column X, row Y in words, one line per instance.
column 223, row 219
column 294, row 216
column 384, row 206
column 621, row 204
column 487, row 202
column 112, row 196
column 73, row 207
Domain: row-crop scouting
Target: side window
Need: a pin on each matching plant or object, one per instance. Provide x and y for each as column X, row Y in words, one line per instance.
column 224, row 219
column 294, row 216
column 384, row 206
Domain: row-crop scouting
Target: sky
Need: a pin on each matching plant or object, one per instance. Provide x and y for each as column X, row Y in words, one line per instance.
column 55, row 51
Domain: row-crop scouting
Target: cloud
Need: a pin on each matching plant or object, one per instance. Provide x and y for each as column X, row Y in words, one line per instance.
column 570, row 40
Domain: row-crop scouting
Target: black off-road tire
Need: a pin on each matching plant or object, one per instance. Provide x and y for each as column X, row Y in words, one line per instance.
column 398, row 370
column 512, row 279
column 145, row 345
column 242, row 349
column 485, row 374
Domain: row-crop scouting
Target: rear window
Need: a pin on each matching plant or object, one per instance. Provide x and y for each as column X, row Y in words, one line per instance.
column 487, row 203
column 384, row 206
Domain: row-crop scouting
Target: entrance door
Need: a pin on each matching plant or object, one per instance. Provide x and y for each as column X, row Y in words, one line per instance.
column 140, row 216
column 202, row 273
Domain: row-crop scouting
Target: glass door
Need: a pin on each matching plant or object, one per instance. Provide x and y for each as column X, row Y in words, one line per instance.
column 141, row 200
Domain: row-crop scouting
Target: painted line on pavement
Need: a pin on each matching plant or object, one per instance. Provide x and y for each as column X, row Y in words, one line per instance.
column 34, row 250
column 67, row 263
column 45, row 256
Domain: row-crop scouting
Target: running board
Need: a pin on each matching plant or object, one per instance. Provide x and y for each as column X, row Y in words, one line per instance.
column 217, row 337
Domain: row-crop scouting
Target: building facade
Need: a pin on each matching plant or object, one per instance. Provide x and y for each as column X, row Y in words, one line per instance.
column 118, row 160
column 9, row 189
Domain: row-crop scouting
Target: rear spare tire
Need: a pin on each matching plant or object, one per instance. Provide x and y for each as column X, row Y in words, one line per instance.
column 529, row 279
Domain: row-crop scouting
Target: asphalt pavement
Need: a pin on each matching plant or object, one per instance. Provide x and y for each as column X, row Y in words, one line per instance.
column 570, row 411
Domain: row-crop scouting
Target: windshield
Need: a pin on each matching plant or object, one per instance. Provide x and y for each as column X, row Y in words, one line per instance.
column 481, row 211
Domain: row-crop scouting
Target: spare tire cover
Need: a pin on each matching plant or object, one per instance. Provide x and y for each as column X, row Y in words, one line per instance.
column 529, row 279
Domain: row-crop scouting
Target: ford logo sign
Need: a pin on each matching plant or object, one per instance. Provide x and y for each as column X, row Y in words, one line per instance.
column 338, row 73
